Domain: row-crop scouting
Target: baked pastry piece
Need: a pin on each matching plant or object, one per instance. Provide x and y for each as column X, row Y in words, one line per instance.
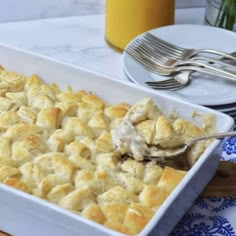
column 14, row 81
column 153, row 196
column 116, row 111
column 98, row 123
column 136, row 218
column 18, row 184
column 93, row 212
column 78, row 199
column 117, row 195
column 66, row 147
column 8, row 171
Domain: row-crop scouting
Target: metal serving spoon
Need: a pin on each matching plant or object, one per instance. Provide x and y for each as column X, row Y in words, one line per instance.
column 170, row 155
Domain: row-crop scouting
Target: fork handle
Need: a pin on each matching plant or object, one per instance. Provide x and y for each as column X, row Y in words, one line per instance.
column 219, row 53
column 200, row 67
column 221, row 62
column 217, row 70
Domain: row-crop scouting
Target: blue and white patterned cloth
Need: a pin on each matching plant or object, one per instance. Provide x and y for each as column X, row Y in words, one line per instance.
column 211, row 216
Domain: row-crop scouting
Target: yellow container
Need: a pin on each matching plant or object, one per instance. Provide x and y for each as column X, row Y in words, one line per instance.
column 125, row 19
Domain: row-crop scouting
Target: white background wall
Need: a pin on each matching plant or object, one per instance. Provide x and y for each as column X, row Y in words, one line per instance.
column 15, row 10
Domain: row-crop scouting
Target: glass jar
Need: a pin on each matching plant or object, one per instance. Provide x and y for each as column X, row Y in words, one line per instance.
column 221, row 13
column 125, row 19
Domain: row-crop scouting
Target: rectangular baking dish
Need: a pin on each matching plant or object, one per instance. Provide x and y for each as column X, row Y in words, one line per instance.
column 24, row 215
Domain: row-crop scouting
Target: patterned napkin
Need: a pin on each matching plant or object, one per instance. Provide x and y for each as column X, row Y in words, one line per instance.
column 211, row 216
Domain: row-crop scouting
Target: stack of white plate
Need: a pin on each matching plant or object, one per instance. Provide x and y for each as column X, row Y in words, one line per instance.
column 214, row 92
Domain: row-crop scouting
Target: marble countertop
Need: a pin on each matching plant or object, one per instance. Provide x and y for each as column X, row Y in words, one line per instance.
column 15, row 10
column 77, row 40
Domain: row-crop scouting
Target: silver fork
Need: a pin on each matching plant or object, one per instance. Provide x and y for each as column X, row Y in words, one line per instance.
column 150, row 63
column 179, row 81
column 175, row 51
column 147, row 58
column 146, row 49
column 172, row 54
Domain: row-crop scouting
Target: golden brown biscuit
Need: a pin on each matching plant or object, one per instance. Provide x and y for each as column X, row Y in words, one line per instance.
column 93, row 212
column 7, row 105
column 69, row 96
column 152, row 173
column 186, row 129
column 63, row 167
column 170, row 178
column 58, row 139
column 8, row 171
column 98, row 123
column 33, row 81
column 21, row 131
column 18, row 184
column 45, row 161
column 59, row 191
column 18, row 98
column 75, row 126
column 146, row 129
column 49, row 182
column 93, row 101
column 49, row 118
column 6, row 162
column 118, row 227
column 3, row 89
column 144, row 109
column 35, row 145
column 153, row 196
column 15, row 82
column 5, row 148
column 26, row 114
column 165, row 135
column 20, row 154
column 130, row 183
column 116, row 111
column 117, row 195
column 42, row 101
column 27, row 171
column 107, row 160
column 35, row 91
column 196, row 151
column 115, row 212
column 8, row 118
column 67, row 108
column 86, row 111
column 78, row 199
column 85, row 178
column 77, row 148
column 104, row 142
column 137, row 216
column 82, row 163
column 133, row 167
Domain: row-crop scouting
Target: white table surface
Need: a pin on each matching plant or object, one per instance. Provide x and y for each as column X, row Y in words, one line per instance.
column 18, row 10
column 77, row 40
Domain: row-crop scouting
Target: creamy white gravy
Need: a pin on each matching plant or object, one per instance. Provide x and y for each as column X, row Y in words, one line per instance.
column 126, row 139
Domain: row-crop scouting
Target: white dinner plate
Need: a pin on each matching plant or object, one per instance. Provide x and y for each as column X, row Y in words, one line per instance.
column 203, row 89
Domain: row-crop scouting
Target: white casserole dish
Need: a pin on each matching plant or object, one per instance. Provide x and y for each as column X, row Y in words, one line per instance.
column 24, row 215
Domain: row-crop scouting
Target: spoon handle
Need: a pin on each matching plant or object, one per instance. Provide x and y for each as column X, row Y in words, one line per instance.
column 212, row 136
